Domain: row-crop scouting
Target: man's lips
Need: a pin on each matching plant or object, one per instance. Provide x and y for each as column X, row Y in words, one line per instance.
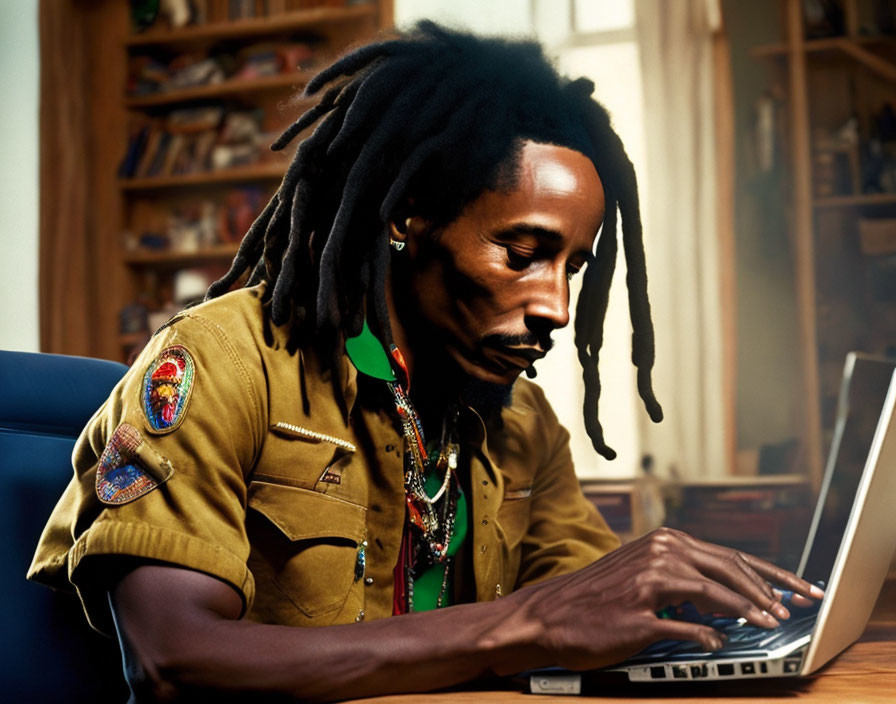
column 518, row 357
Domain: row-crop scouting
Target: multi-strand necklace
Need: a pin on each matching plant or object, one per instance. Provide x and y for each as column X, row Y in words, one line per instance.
column 430, row 519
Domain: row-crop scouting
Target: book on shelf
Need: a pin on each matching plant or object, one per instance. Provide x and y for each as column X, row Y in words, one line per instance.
column 205, row 12
column 150, row 147
column 137, row 141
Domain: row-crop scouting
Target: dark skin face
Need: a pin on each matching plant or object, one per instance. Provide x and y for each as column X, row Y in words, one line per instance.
column 484, row 292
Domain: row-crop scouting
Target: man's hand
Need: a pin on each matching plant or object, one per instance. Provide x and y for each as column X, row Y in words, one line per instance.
column 608, row 611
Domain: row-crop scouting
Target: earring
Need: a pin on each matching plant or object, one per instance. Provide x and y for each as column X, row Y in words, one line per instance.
column 397, row 245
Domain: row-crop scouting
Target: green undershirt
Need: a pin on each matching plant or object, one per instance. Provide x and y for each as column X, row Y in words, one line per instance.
column 367, row 354
column 428, row 585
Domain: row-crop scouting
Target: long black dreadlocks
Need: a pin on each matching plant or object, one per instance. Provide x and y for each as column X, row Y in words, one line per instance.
column 436, row 116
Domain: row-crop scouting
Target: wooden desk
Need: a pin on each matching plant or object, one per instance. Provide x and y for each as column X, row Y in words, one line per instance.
column 865, row 672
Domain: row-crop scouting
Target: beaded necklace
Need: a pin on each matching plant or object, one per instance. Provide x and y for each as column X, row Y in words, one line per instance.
column 430, row 519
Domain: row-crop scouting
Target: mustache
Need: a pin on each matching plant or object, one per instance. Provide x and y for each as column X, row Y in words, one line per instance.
column 526, row 339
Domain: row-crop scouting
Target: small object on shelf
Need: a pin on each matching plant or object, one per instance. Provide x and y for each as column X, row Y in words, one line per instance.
column 153, row 241
column 132, row 319
column 137, row 145
column 144, row 13
column 188, row 72
column 877, row 236
column 146, row 75
column 159, row 317
column 258, row 61
column 835, row 160
column 883, row 279
column 779, row 457
column 183, row 231
column 177, row 12
column 241, row 207
column 190, row 285
column 295, row 57
column 823, row 18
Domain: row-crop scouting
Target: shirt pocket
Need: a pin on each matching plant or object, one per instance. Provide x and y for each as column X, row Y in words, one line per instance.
column 303, row 458
column 513, row 516
column 305, row 554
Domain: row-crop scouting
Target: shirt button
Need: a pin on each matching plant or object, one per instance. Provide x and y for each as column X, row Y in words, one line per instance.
column 390, row 448
column 368, row 581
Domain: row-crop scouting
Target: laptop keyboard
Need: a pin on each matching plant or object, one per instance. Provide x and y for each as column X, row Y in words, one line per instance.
column 741, row 637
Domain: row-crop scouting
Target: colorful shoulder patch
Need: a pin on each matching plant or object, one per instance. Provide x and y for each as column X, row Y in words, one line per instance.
column 123, row 473
column 166, row 389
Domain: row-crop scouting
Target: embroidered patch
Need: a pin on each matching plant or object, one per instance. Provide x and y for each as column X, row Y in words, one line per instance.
column 166, row 389
column 120, row 477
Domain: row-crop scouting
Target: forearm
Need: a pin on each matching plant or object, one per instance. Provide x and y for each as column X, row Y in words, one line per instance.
column 415, row 652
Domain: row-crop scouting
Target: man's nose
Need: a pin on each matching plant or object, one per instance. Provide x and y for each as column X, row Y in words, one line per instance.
column 548, row 305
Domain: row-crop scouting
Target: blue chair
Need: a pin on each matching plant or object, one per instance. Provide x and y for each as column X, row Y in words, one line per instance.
column 48, row 653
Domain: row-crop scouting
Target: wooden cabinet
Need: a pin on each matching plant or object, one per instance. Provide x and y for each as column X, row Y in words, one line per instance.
column 838, row 79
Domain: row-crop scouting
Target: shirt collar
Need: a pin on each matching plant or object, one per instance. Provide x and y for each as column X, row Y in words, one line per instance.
column 367, row 354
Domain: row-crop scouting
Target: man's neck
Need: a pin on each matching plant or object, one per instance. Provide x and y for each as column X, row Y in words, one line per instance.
column 436, row 380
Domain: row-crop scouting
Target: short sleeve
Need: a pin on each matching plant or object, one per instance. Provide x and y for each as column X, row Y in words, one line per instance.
column 160, row 470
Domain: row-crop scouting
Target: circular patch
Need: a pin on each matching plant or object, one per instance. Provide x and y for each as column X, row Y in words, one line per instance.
column 166, row 389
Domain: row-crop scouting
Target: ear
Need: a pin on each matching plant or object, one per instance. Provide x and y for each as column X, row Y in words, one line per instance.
column 411, row 226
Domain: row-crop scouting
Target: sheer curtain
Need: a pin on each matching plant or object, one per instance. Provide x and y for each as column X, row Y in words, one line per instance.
column 687, row 233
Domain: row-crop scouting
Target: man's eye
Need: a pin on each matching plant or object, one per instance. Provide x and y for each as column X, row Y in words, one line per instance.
column 518, row 259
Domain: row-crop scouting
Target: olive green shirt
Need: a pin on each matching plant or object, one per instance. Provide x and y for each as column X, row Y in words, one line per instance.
column 277, row 468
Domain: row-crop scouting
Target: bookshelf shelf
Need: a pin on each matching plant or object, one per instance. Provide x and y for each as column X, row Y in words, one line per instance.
column 225, row 89
column 263, row 172
column 863, row 199
column 822, row 45
column 256, row 27
column 178, row 258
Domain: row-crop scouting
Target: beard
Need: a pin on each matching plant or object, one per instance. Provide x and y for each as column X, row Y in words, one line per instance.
column 486, row 398
column 489, row 398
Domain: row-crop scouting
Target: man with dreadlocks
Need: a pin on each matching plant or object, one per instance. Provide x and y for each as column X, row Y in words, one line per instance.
column 344, row 439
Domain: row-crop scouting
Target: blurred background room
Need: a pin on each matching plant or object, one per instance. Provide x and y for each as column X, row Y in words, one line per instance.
column 135, row 142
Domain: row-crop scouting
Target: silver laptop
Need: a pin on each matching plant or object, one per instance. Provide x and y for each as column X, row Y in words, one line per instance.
column 850, row 545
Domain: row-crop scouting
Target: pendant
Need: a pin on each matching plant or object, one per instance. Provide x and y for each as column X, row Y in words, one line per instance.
column 361, row 562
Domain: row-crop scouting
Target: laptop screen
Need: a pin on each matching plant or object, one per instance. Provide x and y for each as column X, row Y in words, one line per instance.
column 862, row 394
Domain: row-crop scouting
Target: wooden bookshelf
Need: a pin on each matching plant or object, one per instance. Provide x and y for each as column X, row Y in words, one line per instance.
column 258, row 27
column 829, row 82
column 245, row 174
column 810, row 46
column 856, row 200
column 169, row 197
column 225, row 89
